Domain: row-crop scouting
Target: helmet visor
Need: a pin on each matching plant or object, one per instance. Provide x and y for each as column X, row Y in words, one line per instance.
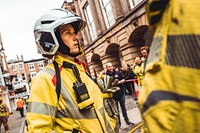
column 46, row 41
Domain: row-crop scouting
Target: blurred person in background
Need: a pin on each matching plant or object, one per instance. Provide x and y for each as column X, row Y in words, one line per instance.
column 119, row 96
column 144, row 50
column 20, row 106
column 169, row 99
column 138, row 69
column 4, row 115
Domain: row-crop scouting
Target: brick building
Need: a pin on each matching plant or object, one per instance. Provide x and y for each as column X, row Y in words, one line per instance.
column 20, row 74
column 32, row 67
column 115, row 31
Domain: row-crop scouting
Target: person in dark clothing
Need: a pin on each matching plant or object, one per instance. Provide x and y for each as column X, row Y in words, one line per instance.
column 128, row 75
column 119, row 96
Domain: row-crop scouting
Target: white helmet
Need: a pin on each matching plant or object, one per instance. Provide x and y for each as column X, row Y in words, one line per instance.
column 45, row 27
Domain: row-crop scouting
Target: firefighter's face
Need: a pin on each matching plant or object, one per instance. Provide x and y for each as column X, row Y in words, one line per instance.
column 69, row 37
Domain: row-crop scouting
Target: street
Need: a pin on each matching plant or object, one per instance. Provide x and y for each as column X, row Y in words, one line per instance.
column 15, row 121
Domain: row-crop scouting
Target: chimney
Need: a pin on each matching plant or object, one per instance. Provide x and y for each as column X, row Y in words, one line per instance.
column 22, row 58
column 17, row 57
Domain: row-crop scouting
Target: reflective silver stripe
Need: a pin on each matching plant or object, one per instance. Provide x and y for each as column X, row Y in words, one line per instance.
column 157, row 96
column 108, row 126
column 180, row 51
column 183, row 50
column 41, row 108
column 49, row 71
column 71, row 110
column 76, row 114
column 155, row 51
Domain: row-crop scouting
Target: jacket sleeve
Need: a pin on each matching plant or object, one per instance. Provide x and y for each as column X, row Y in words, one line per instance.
column 7, row 110
column 42, row 105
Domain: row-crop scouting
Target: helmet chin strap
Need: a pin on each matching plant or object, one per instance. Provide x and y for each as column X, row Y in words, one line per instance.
column 64, row 49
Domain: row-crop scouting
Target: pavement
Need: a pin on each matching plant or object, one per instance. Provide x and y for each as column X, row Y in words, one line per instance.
column 15, row 121
column 133, row 114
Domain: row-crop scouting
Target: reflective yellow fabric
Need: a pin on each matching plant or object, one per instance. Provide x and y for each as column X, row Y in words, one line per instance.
column 4, row 110
column 170, row 96
column 107, row 95
column 139, row 72
column 47, row 115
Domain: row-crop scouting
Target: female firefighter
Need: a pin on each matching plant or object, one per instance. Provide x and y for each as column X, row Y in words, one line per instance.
column 63, row 97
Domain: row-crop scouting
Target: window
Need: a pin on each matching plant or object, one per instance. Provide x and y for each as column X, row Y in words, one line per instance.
column 133, row 3
column 13, row 67
column 20, row 66
column 33, row 74
column 90, row 22
column 40, row 65
column 16, row 79
column 31, row 66
column 23, row 76
column 107, row 12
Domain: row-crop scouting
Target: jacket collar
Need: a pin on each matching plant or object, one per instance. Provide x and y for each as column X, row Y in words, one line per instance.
column 60, row 59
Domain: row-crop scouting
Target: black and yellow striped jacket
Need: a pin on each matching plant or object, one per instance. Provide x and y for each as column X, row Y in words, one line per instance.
column 170, row 96
column 4, row 110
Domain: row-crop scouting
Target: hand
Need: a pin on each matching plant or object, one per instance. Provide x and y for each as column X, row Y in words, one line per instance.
column 122, row 81
column 113, row 89
column 106, row 85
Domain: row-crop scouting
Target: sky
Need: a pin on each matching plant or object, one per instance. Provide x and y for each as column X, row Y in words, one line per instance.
column 17, row 20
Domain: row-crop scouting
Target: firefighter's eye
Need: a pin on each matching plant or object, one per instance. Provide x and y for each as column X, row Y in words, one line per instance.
column 68, row 33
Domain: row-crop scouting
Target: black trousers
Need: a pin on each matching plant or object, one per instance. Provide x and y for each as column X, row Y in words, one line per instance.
column 21, row 111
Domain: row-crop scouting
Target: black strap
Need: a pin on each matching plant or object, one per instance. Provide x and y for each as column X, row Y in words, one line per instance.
column 58, row 84
column 58, row 80
column 74, row 68
column 75, row 130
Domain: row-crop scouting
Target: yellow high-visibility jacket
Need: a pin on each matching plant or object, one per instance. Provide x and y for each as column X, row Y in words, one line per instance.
column 139, row 72
column 4, row 110
column 170, row 96
column 47, row 114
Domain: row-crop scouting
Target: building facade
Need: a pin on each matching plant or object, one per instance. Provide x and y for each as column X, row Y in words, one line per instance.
column 115, row 31
column 32, row 67
column 18, row 76
column 5, row 91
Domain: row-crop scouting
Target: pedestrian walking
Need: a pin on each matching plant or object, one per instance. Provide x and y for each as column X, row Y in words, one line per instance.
column 4, row 115
column 118, row 96
column 63, row 97
column 20, row 106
